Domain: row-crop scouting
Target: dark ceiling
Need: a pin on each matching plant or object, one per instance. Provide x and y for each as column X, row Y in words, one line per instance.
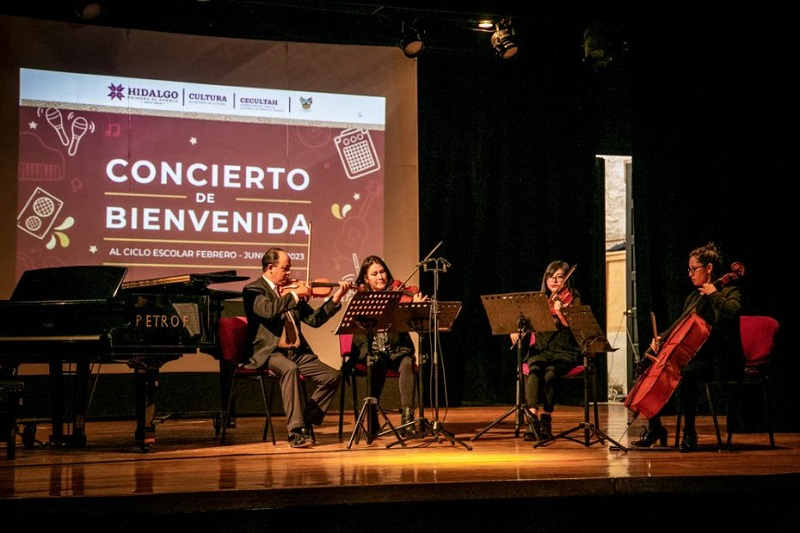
column 445, row 24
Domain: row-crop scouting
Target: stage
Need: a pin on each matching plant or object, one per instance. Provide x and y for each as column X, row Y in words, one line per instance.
column 189, row 482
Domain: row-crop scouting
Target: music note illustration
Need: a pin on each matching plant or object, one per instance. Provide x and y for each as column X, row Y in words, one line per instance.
column 113, row 130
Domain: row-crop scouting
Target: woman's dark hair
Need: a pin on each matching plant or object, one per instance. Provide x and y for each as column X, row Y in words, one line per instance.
column 361, row 280
column 709, row 253
column 551, row 269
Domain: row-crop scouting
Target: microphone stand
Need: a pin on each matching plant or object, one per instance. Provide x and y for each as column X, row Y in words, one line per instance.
column 436, row 429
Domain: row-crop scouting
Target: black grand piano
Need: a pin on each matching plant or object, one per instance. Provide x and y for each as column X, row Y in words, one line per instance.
column 83, row 315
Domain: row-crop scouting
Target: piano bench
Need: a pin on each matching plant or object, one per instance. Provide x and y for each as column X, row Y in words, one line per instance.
column 10, row 400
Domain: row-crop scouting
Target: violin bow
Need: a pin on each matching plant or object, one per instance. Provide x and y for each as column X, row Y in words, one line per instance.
column 308, row 256
column 422, row 262
column 564, row 283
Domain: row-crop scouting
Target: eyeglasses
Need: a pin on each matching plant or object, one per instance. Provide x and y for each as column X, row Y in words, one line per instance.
column 556, row 277
column 691, row 270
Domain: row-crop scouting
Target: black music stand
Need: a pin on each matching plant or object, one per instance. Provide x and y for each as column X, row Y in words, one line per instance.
column 369, row 312
column 517, row 313
column 592, row 340
column 418, row 317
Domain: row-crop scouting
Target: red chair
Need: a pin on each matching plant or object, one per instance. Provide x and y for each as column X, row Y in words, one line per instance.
column 759, row 334
column 235, row 353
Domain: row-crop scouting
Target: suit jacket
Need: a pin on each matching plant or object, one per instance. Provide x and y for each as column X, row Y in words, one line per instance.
column 264, row 310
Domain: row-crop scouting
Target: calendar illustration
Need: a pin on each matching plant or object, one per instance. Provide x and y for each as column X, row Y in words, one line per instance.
column 357, row 153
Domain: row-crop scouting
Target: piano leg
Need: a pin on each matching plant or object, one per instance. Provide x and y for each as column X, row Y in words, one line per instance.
column 57, row 402
column 146, row 383
column 78, row 437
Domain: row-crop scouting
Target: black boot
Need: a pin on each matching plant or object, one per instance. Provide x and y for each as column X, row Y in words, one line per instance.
column 650, row 436
column 547, row 426
column 689, row 442
column 534, row 429
column 408, row 418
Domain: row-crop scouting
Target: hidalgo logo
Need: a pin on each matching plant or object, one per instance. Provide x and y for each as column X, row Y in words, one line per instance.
column 116, row 91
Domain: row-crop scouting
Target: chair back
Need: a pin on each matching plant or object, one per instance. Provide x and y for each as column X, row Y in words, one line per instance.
column 758, row 338
column 345, row 344
column 233, row 343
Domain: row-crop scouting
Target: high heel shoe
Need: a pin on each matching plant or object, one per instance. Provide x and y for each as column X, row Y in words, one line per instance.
column 689, row 442
column 650, row 436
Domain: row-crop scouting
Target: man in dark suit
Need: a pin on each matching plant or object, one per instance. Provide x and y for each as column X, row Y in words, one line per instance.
column 275, row 307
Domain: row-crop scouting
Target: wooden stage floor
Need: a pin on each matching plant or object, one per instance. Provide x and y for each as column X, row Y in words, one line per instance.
column 189, row 482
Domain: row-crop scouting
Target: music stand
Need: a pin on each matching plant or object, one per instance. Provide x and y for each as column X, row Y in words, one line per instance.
column 369, row 312
column 510, row 313
column 418, row 317
column 592, row 340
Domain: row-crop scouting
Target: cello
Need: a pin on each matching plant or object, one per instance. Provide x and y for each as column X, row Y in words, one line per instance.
column 658, row 381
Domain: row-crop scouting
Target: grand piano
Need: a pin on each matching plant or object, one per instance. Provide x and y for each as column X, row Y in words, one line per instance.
column 83, row 315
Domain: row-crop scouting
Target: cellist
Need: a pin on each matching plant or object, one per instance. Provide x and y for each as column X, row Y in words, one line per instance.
column 720, row 354
column 551, row 354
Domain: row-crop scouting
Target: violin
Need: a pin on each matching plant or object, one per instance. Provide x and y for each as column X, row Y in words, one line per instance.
column 563, row 295
column 319, row 287
column 407, row 292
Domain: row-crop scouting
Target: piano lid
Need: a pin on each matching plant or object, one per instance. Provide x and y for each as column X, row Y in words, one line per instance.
column 69, row 283
column 208, row 278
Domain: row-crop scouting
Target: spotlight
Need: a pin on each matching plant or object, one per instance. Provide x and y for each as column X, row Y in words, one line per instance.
column 88, row 10
column 596, row 48
column 503, row 42
column 411, row 43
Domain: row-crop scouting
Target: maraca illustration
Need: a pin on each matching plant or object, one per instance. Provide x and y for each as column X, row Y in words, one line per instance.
column 79, row 127
column 55, row 119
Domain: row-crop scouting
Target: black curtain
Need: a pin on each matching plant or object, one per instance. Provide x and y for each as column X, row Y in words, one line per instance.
column 508, row 179
column 508, row 183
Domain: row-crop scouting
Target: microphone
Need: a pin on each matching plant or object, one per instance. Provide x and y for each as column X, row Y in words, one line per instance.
column 427, row 257
column 445, row 264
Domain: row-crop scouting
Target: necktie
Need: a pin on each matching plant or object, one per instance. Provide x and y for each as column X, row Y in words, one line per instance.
column 289, row 330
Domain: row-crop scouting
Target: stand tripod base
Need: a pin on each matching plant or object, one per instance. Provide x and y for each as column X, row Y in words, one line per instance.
column 422, row 428
column 438, row 433
column 367, row 406
column 591, row 435
column 413, row 429
column 524, row 418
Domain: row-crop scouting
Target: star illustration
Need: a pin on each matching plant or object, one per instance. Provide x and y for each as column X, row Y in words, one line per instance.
column 32, row 125
column 356, row 197
column 93, row 249
column 193, row 141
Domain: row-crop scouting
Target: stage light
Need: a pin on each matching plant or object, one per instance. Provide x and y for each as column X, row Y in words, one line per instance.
column 89, row 10
column 503, row 40
column 596, row 48
column 411, row 42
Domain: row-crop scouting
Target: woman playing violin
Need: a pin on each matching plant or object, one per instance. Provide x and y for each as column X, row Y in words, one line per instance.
column 393, row 350
column 720, row 354
column 551, row 354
